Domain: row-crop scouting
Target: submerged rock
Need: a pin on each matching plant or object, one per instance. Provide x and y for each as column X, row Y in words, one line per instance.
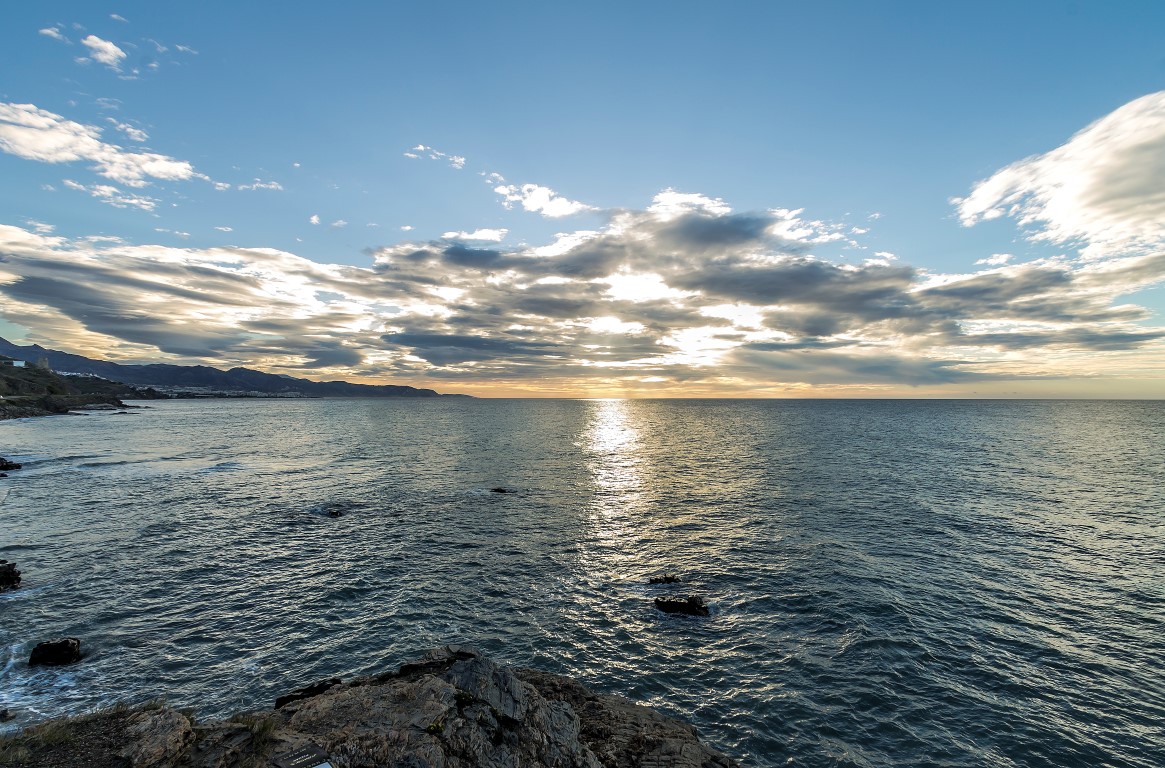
column 6, row 465
column 500, row 489
column 691, row 605
column 9, row 576
column 667, row 578
column 65, row 650
column 453, row 708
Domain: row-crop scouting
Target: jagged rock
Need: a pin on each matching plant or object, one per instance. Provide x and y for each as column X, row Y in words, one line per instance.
column 667, row 578
column 3, row 474
column 9, row 576
column 691, row 605
column 306, row 692
column 65, row 650
column 500, row 489
column 6, row 715
column 6, row 465
column 158, row 737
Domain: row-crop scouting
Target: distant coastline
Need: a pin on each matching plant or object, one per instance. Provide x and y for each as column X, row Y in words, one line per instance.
column 29, row 374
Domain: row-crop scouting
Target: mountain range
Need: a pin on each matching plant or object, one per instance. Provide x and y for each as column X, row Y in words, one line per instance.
column 236, row 380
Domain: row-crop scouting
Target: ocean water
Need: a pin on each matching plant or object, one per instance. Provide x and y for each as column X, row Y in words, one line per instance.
column 893, row 583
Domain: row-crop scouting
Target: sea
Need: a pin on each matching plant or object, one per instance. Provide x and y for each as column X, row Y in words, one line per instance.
column 891, row 582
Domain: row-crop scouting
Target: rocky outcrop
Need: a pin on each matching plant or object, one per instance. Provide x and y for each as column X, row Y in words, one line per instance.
column 454, row 708
column 9, row 576
column 667, row 578
column 691, row 605
column 6, row 465
column 55, row 653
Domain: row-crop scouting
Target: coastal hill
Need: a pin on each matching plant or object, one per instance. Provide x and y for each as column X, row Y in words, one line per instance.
column 33, row 391
column 192, row 380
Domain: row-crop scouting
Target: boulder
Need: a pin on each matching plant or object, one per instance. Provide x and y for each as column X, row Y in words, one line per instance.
column 65, row 650
column 6, row 465
column 691, row 605
column 6, row 715
column 9, row 576
column 500, row 489
column 667, row 578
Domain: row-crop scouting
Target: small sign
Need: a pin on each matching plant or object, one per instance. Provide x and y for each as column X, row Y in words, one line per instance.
column 310, row 756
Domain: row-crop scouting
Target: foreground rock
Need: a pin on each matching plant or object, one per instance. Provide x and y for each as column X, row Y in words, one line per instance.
column 6, row 465
column 55, row 653
column 454, row 708
column 9, row 576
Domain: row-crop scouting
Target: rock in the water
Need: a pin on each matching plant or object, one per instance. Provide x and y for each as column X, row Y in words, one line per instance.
column 2, row 474
column 6, row 715
column 667, row 578
column 692, row 605
column 6, row 465
column 9, row 576
column 500, row 489
column 65, row 650
column 306, row 692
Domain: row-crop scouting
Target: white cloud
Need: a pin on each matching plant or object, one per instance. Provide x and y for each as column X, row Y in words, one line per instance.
column 225, row 229
column 54, row 33
column 457, row 161
column 315, row 218
column 37, row 134
column 338, row 224
column 996, row 259
column 492, row 235
column 415, row 153
column 669, row 203
column 221, row 186
column 111, row 195
column 539, row 199
column 116, row 17
column 186, row 49
column 1103, row 189
column 131, row 133
column 104, row 52
column 406, row 228
column 258, row 184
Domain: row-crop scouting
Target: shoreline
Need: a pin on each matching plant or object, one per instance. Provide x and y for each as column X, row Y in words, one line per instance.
column 453, row 707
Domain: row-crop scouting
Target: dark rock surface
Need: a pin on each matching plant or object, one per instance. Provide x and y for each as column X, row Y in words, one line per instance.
column 7, row 465
column 65, row 650
column 667, row 578
column 306, row 692
column 691, row 605
column 9, row 575
column 500, row 489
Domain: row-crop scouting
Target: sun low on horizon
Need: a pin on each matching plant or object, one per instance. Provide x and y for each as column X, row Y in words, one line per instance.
column 659, row 201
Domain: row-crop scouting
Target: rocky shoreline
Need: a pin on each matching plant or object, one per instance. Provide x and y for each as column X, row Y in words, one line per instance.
column 453, row 708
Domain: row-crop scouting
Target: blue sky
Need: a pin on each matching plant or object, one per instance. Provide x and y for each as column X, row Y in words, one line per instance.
column 828, row 151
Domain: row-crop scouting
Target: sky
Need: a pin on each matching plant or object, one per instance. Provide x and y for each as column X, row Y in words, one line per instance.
column 654, row 199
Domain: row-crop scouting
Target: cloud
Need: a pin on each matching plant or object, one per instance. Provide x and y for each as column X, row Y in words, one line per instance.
column 54, row 33
column 225, row 229
column 492, row 235
column 111, row 195
column 419, row 151
column 131, row 133
column 684, row 293
column 1101, row 190
column 37, row 134
column 104, row 52
column 259, row 184
column 314, row 218
column 996, row 259
column 116, row 17
column 338, row 224
column 539, row 199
